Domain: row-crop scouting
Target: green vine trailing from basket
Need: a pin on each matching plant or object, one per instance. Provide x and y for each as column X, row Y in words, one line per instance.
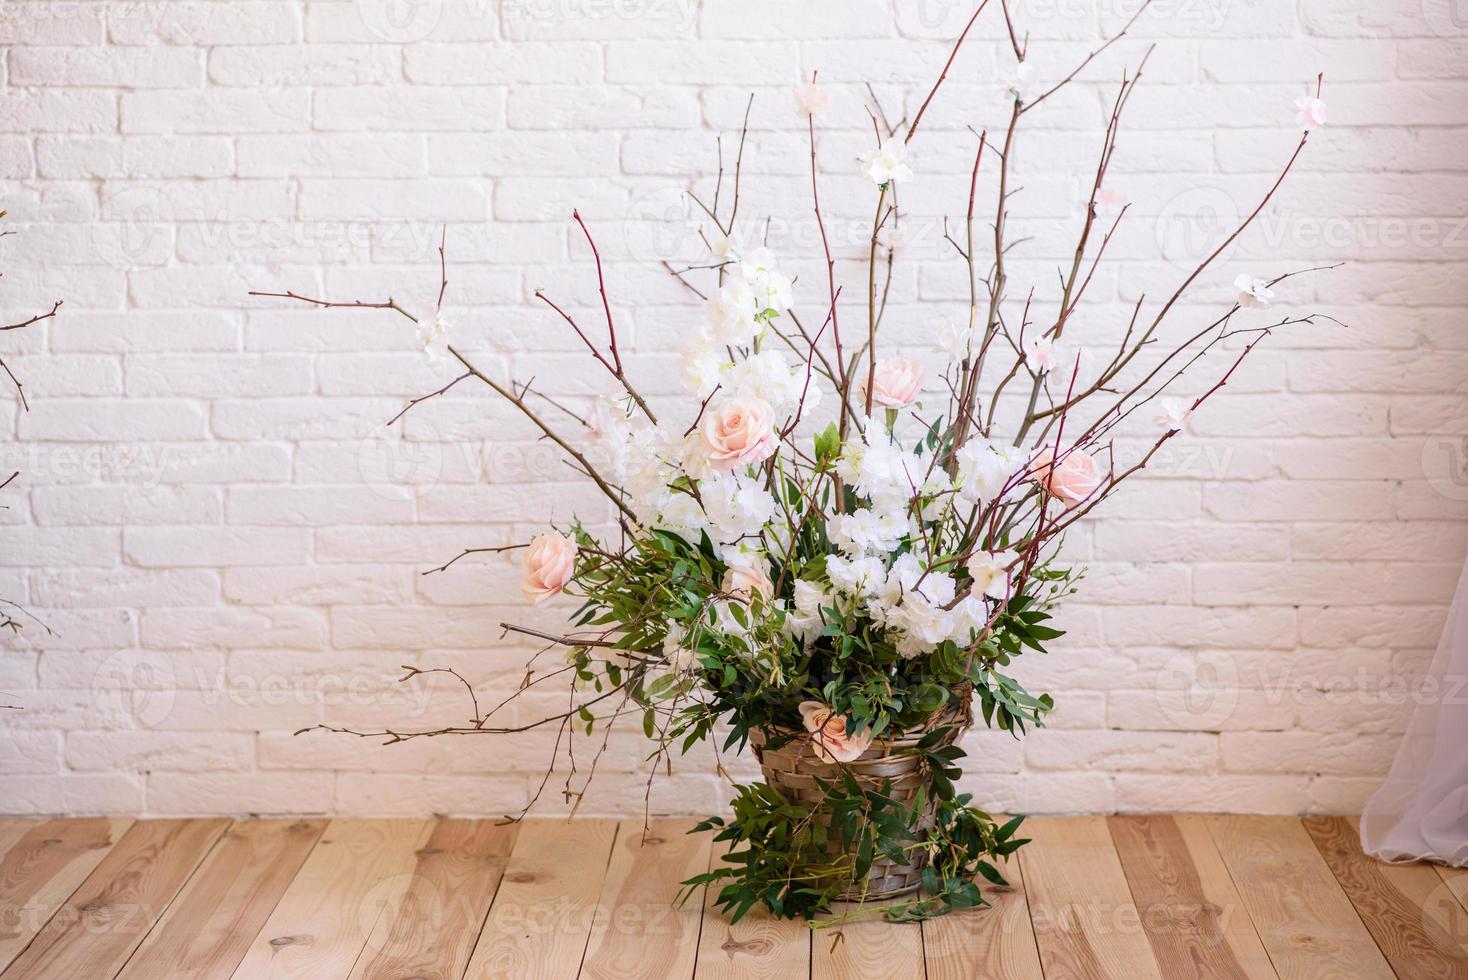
column 825, row 544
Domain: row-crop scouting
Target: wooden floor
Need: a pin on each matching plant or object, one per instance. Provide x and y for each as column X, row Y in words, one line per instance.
column 1123, row 897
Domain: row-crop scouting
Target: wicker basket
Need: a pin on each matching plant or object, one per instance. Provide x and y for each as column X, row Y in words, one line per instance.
column 793, row 769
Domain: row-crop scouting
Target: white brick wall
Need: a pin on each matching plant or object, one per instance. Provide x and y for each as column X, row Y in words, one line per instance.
column 228, row 542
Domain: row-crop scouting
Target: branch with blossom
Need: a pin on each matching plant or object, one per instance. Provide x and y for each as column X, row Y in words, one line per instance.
column 817, row 551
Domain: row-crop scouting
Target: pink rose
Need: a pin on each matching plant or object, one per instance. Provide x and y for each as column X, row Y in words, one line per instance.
column 549, row 564
column 739, row 432
column 897, row 383
column 747, row 580
column 1074, row 480
column 828, row 734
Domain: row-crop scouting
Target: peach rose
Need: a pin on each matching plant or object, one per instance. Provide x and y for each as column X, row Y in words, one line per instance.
column 549, row 564
column 746, row 581
column 828, row 734
column 897, row 383
column 1074, row 480
column 739, row 432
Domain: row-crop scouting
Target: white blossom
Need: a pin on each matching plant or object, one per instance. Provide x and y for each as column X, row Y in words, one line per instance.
column 803, row 618
column 769, row 376
column 865, row 532
column 1018, row 82
column 1041, row 354
column 1253, row 293
column 888, row 163
column 1172, row 415
column 1310, row 112
column 433, row 333
column 991, row 572
column 732, row 313
column 956, row 340
column 812, row 100
column 700, row 367
column 735, row 508
column 985, row 468
column 924, row 625
column 855, row 577
column 679, row 656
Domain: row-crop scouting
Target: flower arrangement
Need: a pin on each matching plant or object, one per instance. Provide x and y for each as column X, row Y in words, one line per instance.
column 819, row 559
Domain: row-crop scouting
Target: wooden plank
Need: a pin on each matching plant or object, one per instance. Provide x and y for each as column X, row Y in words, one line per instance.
column 541, row 916
column 759, row 946
column 41, row 869
column 1191, row 912
column 643, row 932
column 206, row 931
column 322, row 922
column 867, row 949
column 431, row 931
column 108, row 915
column 1086, row 924
column 1407, row 908
column 994, row 941
column 1452, row 923
column 11, row 831
column 1305, row 921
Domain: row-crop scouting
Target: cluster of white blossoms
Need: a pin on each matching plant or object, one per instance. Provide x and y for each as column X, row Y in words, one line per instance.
column 753, row 293
column 919, row 604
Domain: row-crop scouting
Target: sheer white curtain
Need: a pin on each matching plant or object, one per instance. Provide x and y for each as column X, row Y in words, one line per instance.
column 1421, row 811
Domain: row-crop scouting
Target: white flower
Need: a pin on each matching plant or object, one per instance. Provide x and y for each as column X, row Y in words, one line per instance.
column 725, row 249
column 1310, row 112
column 770, row 289
column 859, row 577
column 732, row 313
column 700, row 368
column 923, row 624
column 865, row 532
column 679, row 657
column 1041, row 354
column 956, row 340
column 803, row 618
column 812, row 100
column 1253, row 293
column 769, row 376
column 881, row 470
column 433, row 333
column 1172, row 415
column 985, row 469
column 681, row 514
column 969, row 616
column 990, row 572
column 1016, row 84
column 736, row 509
column 888, row 163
